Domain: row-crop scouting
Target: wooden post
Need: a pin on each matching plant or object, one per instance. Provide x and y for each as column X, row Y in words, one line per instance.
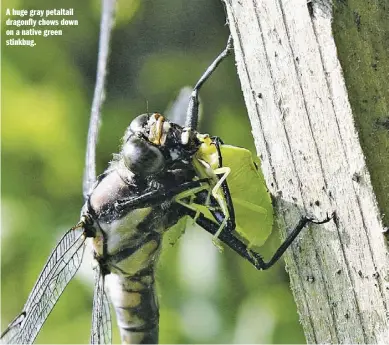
column 313, row 163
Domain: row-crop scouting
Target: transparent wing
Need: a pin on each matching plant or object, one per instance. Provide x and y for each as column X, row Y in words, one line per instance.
column 60, row 268
column 101, row 317
column 106, row 25
column 176, row 111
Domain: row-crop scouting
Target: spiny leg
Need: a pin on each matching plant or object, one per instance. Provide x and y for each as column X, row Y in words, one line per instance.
column 193, row 107
column 241, row 248
column 192, row 122
column 228, row 238
column 158, row 196
column 293, row 234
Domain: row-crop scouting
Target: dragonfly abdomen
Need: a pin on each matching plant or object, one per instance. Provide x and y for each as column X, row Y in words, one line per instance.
column 129, row 249
column 136, row 306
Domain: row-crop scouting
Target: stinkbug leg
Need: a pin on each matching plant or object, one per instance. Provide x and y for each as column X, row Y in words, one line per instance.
column 193, row 107
column 226, row 191
column 224, row 171
column 190, row 193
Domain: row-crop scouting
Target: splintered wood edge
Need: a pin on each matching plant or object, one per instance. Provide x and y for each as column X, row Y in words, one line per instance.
column 305, row 135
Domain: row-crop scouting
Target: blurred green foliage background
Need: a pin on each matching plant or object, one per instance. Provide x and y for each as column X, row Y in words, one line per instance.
column 157, row 48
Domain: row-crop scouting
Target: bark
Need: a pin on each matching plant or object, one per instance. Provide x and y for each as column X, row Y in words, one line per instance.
column 305, row 135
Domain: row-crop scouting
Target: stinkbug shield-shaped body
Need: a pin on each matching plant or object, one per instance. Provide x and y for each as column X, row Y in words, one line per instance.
column 164, row 172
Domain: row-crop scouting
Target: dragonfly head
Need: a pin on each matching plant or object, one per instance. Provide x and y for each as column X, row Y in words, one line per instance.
column 152, row 143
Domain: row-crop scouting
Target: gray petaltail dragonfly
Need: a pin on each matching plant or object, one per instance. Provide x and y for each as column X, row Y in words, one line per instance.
column 148, row 188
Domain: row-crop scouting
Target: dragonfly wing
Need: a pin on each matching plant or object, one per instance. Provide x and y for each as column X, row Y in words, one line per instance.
column 176, row 111
column 106, row 25
column 12, row 329
column 59, row 269
column 101, row 317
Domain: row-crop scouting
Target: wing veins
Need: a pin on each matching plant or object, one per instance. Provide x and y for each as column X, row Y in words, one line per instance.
column 59, row 269
column 101, row 317
column 51, row 263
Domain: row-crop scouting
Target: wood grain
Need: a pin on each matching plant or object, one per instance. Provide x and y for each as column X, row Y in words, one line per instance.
column 313, row 163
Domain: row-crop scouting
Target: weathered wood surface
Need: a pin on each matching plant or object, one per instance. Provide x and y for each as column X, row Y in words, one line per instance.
column 313, row 164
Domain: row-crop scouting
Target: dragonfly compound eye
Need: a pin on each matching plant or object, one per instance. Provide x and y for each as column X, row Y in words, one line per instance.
column 139, row 123
column 141, row 157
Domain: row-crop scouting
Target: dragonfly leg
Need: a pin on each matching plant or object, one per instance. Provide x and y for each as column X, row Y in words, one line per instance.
column 241, row 248
column 193, row 107
column 222, row 216
column 304, row 221
column 158, row 196
column 229, row 239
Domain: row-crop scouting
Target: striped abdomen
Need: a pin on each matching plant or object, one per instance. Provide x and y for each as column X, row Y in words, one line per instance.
column 132, row 289
column 136, row 307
